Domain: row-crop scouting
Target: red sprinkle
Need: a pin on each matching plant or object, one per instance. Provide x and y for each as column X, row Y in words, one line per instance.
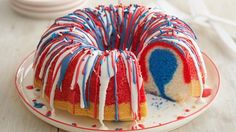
column 72, row 41
column 89, row 52
column 74, row 124
column 206, row 92
column 34, row 100
column 94, row 125
column 186, row 110
column 30, row 87
column 49, row 113
column 180, row 117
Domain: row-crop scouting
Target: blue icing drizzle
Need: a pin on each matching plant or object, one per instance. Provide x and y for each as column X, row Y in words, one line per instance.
column 116, row 98
column 83, row 84
column 162, row 65
column 131, row 21
column 134, row 71
column 90, row 74
column 65, row 63
column 107, row 28
column 122, row 37
column 113, row 34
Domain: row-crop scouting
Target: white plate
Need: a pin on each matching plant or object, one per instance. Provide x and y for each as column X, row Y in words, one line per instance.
column 47, row 9
column 44, row 2
column 162, row 115
column 51, row 14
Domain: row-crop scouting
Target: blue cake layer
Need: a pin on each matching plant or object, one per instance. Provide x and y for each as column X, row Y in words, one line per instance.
column 162, row 65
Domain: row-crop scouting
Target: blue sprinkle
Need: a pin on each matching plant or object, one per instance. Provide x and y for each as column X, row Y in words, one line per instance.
column 126, row 11
column 38, row 105
column 83, row 84
column 101, row 61
column 54, row 35
column 161, row 31
column 134, row 71
column 37, row 89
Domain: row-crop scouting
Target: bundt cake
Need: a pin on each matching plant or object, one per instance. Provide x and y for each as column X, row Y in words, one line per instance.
column 97, row 62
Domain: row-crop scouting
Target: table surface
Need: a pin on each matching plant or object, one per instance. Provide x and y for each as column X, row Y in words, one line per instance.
column 19, row 36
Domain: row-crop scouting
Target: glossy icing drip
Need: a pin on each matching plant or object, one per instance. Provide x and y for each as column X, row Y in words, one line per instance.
column 107, row 72
column 107, row 33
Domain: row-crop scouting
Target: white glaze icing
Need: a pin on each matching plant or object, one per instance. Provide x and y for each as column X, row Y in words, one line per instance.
column 104, row 84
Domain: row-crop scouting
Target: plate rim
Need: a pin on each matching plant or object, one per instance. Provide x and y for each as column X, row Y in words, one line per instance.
column 93, row 129
column 59, row 8
column 43, row 3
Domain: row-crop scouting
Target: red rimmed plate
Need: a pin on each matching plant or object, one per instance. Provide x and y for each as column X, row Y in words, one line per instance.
column 44, row 2
column 47, row 11
column 163, row 115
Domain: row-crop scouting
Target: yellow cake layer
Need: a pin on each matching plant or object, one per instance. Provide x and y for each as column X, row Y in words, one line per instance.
column 38, row 83
column 109, row 114
column 195, row 88
column 124, row 109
